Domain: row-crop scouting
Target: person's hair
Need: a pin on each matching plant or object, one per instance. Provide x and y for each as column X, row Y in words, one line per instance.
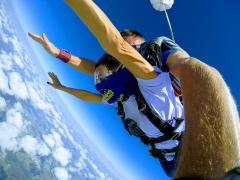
column 109, row 61
column 128, row 32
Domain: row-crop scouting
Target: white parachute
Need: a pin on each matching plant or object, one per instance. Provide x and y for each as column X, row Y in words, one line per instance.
column 164, row 5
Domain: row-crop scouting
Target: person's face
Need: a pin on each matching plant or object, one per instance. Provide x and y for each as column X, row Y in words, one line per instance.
column 101, row 72
column 134, row 40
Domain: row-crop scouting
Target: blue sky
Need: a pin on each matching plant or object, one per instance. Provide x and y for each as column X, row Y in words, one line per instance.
column 208, row 30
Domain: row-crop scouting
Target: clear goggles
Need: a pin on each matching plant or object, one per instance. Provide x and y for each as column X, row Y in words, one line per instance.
column 101, row 75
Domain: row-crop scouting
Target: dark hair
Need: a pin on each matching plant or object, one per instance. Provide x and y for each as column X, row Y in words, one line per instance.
column 128, row 32
column 109, row 61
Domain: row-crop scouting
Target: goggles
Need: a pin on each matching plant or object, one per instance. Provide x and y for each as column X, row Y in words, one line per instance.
column 101, row 75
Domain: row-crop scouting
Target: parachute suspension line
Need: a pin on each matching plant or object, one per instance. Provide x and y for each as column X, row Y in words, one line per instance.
column 169, row 24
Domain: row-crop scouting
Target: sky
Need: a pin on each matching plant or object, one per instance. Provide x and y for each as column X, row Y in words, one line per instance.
column 207, row 30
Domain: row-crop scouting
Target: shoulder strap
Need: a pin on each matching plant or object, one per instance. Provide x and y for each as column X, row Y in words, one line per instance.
column 153, row 117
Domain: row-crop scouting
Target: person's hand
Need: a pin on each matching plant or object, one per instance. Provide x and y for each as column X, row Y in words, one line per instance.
column 55, row 81
column 43, row 40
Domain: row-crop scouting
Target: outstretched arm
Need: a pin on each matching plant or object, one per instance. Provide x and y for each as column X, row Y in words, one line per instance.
column 81, row 94
column 81, row 64
column 110, row 39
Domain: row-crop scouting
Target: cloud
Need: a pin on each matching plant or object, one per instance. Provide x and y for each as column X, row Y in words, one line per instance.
column 62, row 155
column 61, row 173
column 36, row 97
column 4, row 22
column 49, row 140
column 99, row 173
column 4, row 83
column 19, row 61
column 6, row 60
column 80, row 164
column 3, row 104
column 31, row 146
column 11, row 128
column 14, row 116
column 19, row 77
column 17, row 85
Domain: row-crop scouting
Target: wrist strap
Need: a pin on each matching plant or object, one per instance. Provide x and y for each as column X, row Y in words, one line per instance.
column 64, row 56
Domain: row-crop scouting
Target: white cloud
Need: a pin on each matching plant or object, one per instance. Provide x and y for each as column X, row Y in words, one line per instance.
column 37, row 100
column 11, row 128
column 61, row 173
column 49, row 140
column 17, row 85
column 57, row 138
column 62, row 155
column 14, row 116
column 4, row 84
column 31, row 146
column 99, row 173
column 6, row 60
column 43, row 150
column 17, row 45
column 18, row 60
column 80, row 164
column 3, row 104
column 8, row 134
column 4, row 22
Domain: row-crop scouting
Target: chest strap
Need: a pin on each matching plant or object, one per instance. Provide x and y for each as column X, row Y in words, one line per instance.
column 160, row 153
column 152, row 116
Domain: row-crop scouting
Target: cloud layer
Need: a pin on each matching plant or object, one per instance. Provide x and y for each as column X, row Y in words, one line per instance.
column 29, row 120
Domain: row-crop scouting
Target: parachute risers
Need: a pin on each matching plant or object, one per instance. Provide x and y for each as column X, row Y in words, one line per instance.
column 164, row 5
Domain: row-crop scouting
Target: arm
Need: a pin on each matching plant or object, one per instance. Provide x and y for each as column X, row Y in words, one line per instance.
column 81, row 64
column 110, row 39
column 81, row 94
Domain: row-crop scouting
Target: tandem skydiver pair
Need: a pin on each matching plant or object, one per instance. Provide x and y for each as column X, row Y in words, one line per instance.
column 152, row 108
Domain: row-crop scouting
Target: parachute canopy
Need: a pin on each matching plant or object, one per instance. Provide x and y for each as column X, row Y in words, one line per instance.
column 162, row 5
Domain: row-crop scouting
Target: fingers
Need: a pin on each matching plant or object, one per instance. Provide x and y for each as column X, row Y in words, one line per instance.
column 45, row 39
column 54, row 78
column 35, row 37
column 52, row 75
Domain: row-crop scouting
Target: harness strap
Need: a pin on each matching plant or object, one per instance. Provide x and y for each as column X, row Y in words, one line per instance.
column 151, row 141
column 159, row 153
column 152, row 116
